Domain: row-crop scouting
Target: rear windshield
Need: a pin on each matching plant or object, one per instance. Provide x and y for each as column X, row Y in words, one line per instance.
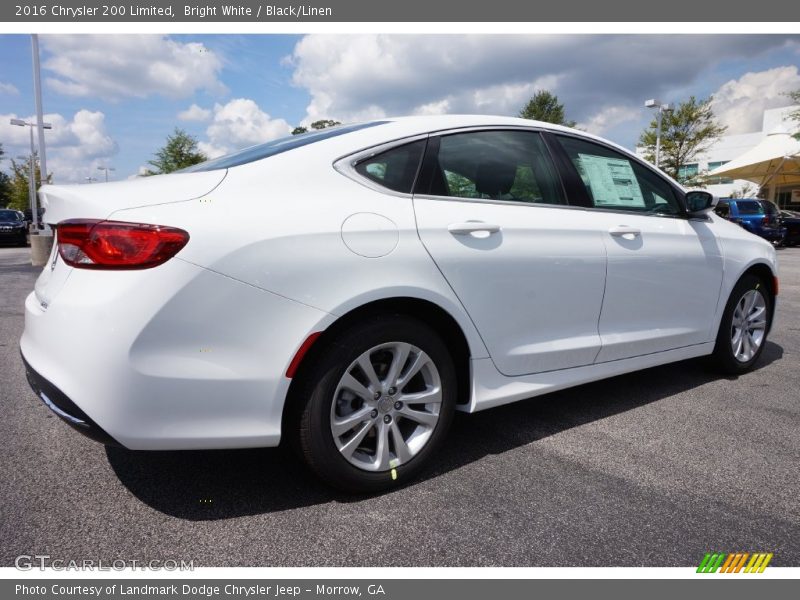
column 749, row 207
column 274, row 147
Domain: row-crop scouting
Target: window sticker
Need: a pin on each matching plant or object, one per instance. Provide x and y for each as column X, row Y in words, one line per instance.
column 611, row 181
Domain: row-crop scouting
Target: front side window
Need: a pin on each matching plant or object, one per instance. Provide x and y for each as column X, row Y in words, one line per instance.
column 496, row 165
column 395, row 169
column 614, row 181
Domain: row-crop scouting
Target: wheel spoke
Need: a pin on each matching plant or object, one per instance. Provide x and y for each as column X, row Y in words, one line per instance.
column 401, row 449
column 345, row 424
column 365, row 363
column 382, row 454
column 432, row 396
column 420, row 360
column 419, row 416
column 401, row 352
column 352, row 384
column 353, row 443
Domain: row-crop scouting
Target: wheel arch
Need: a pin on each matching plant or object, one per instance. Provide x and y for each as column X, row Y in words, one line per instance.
column 430, row 313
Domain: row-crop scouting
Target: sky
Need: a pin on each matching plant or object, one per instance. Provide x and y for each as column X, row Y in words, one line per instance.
column 112, row 100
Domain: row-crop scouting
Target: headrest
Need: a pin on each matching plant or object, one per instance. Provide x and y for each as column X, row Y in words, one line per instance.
column 495, row 178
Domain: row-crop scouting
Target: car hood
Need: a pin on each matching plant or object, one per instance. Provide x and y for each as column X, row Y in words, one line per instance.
column 100, row 200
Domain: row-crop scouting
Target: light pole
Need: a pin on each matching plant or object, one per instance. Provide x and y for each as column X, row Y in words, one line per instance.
column 32, row 182
column 106, row 169
column 662, row 108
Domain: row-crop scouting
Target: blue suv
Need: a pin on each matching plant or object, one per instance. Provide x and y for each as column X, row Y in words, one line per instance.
column 756, row 216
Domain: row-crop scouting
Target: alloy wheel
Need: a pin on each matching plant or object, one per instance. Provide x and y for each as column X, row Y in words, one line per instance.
column 386, row 406
column 749, row 325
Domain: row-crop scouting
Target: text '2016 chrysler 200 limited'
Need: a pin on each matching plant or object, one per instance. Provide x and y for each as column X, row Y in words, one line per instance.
column 348, row 289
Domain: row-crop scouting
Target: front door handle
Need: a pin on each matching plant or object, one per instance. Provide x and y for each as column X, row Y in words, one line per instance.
column 621, row 230
column 472, row 227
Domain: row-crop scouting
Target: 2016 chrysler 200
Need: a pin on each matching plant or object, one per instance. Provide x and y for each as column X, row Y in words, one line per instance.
column 348, row 289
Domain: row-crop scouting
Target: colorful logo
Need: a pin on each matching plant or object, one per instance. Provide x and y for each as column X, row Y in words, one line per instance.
column 734, row 562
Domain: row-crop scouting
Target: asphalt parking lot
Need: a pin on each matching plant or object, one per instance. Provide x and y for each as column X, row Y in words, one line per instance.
column 649, row 469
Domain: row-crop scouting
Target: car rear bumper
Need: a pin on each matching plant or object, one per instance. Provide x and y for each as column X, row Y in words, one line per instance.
column 66, row 409
column 172, row 358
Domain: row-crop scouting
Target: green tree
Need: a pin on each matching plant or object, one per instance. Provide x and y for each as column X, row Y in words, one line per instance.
column 686, row 132
column 544, row 106
column 18, row 191
column 179, row 152
column 321, row 124
column 5, row 183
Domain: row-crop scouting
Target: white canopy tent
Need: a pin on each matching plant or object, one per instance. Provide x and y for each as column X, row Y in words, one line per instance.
column 774, row 162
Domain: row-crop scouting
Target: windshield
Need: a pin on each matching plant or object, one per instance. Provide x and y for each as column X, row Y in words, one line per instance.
column 749, row 207
column 274, row 147
column 9, row 215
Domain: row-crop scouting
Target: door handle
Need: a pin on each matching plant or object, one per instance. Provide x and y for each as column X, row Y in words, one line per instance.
column 472, row 227
column 621, row 230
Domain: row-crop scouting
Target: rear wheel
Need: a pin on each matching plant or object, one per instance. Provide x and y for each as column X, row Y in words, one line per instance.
column 743, row 330
column 377, row 404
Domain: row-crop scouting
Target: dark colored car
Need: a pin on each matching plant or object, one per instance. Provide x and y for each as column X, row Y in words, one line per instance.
column 13, row 227
column 791, row 220
column 759, row 217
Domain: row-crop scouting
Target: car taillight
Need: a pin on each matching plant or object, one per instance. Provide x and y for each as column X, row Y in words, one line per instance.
column 96, row 244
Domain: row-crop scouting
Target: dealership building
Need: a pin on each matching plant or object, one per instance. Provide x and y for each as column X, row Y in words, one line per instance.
column 730, row 147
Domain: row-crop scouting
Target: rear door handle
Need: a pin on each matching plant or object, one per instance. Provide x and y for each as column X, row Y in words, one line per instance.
column 472, row 227
column 621, row 230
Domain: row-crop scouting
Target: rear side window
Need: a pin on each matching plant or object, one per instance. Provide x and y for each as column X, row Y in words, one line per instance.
column 617, row 182
column 749, row 207
column 496, row 165
column 396, row 169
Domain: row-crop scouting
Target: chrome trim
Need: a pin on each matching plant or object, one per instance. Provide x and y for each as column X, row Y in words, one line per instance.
column 61, row 413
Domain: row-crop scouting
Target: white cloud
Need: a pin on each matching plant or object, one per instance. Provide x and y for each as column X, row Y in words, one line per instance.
column 609, row 117
column 120, row 66
column 194, row 113
column 601, row 79
column 9, row 89
column 75, row 147
column 740, row 103
column 238, row 124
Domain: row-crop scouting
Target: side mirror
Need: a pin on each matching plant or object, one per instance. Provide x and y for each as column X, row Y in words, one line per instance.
column 700, row 202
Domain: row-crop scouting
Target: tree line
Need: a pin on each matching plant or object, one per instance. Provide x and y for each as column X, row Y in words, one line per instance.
column 687, row 131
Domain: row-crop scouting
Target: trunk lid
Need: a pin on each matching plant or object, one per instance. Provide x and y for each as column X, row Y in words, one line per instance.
column 100, row 201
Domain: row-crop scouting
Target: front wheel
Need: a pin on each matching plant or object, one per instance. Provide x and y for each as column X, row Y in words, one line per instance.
column 377, row 404
column 743, row 330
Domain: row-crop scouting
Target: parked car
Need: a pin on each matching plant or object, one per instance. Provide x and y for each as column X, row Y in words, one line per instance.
column 13, row 227
column 756, row 216
column 791, row 221
column 389, row 273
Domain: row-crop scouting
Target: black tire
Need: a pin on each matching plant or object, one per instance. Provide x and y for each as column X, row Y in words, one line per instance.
column 315, row 397
column 723, row 357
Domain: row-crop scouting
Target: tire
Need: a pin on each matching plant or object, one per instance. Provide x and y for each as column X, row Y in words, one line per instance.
column 333, row 390
column 727, row 356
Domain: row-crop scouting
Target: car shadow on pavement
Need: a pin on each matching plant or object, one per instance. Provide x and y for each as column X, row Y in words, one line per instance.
column 223, row 484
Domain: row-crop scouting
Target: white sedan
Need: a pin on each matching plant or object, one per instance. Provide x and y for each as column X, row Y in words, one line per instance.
column 348, row 289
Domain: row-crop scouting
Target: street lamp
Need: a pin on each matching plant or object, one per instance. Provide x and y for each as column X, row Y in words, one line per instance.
column 106, row 169
column 662, row 108
column 32, row 182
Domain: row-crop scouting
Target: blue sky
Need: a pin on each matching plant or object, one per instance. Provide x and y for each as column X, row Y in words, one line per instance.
column 114, row 99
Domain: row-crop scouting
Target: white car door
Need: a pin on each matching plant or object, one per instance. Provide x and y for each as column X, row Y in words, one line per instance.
column 529, row 269
column 664, row 270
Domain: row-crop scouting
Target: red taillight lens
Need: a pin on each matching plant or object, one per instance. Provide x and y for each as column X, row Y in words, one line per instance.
column 95, row 244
